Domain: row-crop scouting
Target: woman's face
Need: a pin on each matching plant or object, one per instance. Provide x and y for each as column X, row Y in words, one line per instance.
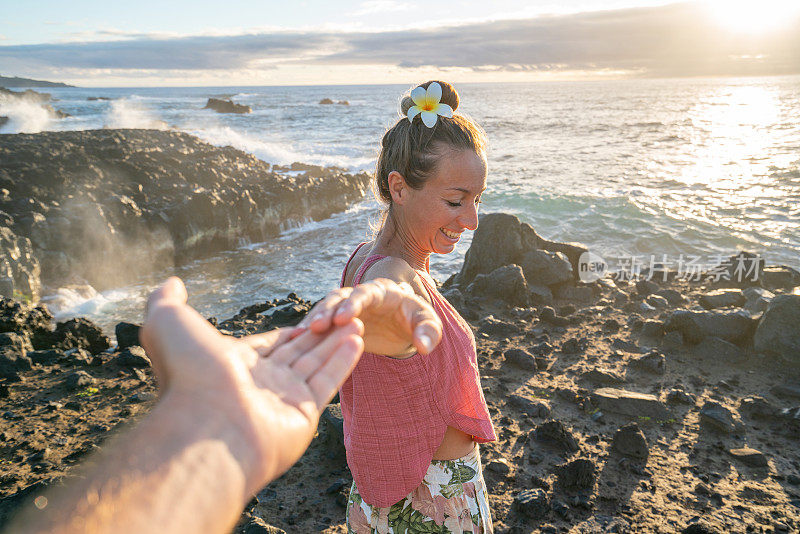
column 447, row 204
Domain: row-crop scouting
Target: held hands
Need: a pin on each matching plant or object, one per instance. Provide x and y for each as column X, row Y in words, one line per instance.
column 396, row 321
column 270, row 387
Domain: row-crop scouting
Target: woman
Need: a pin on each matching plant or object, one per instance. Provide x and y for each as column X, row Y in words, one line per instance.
column 412, row 421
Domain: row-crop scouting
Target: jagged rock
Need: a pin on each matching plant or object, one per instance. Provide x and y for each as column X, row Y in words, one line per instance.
column 531, row 408
column 491, row 326
column 326, row 101
column 13, row 362
column 575, row 345
column 287, row 314
column 455, row 298
column 226, row 106
column 548, row 315
column 603, row 376
column 735, row 326
column 155, row 198
column 756, row 407
column 719, row 417
column 722, row 298
column 78, row 379
column 45, row 357
column 630, row 403
column 79, row 333
column 673, row 296
column 631, row 441
column 780, row 277
column 653, row 329
column 332, row 432
column 779, row 330
column 699, row 528
column 19, row 266
column 521, row 358
column 544, row 268
column 17, row 342
column 127, row 334
column 749, row 456
column 652, row 362
column 579, row 474
column 757, row 299
column 533, row 504
column 133, row 356
column 714, row 348
column 678, row 395
column 506, row 283
column 555, row 432
column 627, row 346
column 16, row 316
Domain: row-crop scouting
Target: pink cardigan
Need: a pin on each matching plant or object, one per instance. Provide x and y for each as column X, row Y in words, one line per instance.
column 396, row 411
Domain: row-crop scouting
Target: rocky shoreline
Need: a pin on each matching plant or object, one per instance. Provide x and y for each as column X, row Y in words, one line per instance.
column 660, row 405
column 104, row 207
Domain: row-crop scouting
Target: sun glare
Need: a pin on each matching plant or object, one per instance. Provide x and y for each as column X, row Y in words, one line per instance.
column 750, row 16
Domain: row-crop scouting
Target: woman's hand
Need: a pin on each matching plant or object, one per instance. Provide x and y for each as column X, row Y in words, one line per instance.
column 397, row 322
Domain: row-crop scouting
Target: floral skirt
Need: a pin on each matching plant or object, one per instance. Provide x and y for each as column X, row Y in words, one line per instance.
column 452, row 499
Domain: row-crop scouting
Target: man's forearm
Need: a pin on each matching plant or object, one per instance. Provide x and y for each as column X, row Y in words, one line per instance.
column 175, row 455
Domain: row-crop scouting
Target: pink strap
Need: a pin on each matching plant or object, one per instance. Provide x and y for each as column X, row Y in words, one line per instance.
column 346, row 265
column 364, row 266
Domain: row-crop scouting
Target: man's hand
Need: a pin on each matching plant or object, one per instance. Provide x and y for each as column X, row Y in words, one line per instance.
column 396, row 321
column 269, row 385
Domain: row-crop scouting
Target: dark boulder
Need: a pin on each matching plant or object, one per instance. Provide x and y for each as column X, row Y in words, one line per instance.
column 521, row 359
column 579, row 474
column 781, row 277
column 736, row 327
column 778, row 332
column 557, row 433
column 127, row 334
column 631, row 441
column 332, row 433
column 720, row 418
column 78, row 380
column 13, row 362
column 722, row 298
column 543, row 268
column 533, row 504
column 134, row 356
column 16, row 316
column 80, row 333
column 505, row 283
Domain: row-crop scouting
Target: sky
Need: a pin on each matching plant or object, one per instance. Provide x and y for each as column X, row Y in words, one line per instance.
column 250, row 42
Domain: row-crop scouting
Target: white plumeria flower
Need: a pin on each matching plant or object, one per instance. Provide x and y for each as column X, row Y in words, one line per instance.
column 427, row 105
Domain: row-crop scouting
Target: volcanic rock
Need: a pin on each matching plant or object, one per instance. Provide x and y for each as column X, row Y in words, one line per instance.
column 12, row 363
column 226, row 106
column 603, row 376
column 521, row 358
column 631, row 441
column 716, row 349
column 579, row 474
column 332, row 432
column 506, row 283
column 722, row 298
column 78, row 379
column 780, row 277
column 80, row 333
column 719, row 417
column 555, row 432
column 757, row 299
column 629, row 403
column 548, row 315
column 531, row 408
column 652, row 362
column 749, row 456
column 533, row 504
column 653, row 329
column 544, row 268
column 735, row 326
column 127, row 334
column 133, row 356
column 779, row 330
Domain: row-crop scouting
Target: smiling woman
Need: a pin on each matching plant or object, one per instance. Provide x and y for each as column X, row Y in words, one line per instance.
column 747, row 16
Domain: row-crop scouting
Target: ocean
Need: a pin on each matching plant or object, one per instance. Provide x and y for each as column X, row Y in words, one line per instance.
column 638, row 170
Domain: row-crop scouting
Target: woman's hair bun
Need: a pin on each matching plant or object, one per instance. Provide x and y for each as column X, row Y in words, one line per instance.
column 449, row 96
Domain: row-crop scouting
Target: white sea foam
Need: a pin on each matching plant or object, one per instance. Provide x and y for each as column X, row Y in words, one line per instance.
column 82, row 300
column 126, row 113
column 25, row 116
column 273, row 151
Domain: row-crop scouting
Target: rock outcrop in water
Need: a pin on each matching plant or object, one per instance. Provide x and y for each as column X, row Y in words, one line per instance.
column 226, row 106
column 106, row 206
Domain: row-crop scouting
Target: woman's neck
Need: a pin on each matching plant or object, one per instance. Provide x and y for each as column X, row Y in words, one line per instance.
column 393, row 240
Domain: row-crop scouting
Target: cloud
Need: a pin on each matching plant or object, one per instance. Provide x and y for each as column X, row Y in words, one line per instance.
column 380, row 6
column 676, row 39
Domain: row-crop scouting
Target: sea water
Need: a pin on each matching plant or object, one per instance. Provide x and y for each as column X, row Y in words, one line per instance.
column 643, row 169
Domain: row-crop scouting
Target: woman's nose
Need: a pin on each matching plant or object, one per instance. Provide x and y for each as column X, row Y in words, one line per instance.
column 469, row 220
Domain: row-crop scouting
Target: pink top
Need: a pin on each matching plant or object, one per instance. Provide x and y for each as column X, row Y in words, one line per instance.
column 396, row 411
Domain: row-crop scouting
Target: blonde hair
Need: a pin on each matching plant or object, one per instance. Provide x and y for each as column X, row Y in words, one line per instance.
column 414, row 150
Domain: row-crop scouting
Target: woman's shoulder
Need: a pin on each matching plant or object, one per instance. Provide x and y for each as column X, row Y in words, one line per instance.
column 397, row 270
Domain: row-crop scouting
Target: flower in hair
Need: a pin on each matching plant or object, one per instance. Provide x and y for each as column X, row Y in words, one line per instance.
column 427, row 105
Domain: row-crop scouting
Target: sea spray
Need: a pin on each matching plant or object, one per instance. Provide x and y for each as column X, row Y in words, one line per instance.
column 25, row 115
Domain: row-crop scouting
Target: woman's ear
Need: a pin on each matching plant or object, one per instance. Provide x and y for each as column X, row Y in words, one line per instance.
column 398, row 187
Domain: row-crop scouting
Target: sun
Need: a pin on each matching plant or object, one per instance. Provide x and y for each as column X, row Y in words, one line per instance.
column 753, row 16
